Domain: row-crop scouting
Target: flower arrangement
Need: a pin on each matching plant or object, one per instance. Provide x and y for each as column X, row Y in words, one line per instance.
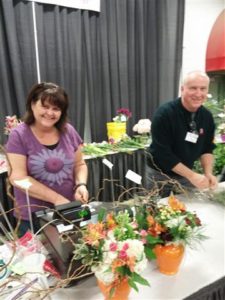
column 123, row 114
column 143, row 126
column 169, row 223
column 10, row 123
column 112, row 250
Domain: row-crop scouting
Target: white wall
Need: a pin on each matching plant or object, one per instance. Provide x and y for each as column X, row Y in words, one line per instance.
column 200, row 15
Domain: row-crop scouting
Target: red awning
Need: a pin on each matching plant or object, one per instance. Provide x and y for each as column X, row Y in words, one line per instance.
column 215, row 54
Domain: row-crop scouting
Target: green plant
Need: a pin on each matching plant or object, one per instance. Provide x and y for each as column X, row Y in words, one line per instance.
column 217, row 108
column 219, row 158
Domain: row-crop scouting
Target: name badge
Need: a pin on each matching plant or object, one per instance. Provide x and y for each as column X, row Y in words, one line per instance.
column 191, row 137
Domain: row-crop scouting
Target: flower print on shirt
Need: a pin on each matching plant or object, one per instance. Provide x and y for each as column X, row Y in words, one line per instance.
column 51, row 166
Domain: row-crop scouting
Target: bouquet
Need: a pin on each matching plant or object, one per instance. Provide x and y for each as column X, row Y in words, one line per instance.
column 113, row 250
column 123, row 114
column 167, row 224
column 143, row 126
column 10, row 123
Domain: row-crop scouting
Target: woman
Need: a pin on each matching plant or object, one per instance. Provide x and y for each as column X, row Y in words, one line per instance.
column 46, row 150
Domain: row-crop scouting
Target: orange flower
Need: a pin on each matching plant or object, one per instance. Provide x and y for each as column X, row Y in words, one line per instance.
column 111, row 223
column 150, row 220
column 131, row 263
column 156, row 229
column 95, row 232
column 117, row 263
column 175, row 204
column 159, row 228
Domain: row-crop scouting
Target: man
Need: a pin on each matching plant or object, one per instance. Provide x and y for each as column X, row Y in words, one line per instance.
column 183, row 132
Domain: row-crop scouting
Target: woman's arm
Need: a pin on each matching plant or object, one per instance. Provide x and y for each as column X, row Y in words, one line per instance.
column 81, row 175
column 38, row 190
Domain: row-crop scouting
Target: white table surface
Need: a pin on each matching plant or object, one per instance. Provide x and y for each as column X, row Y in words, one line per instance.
column 199, row 268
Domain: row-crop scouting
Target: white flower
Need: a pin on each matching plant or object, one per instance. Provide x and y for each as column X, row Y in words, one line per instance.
column 221, row 115
column 109, row 256
column 141, row 265
column 135, row 249
column 221, row 128
column 143, row 126
column 110, row 236
column 103, row 273
column 176, row 221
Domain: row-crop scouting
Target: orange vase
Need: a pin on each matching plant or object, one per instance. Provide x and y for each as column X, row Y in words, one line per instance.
column 169, row 258
column 121, row 290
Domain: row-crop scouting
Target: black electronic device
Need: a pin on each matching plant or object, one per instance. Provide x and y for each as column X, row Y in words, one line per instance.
column 73, row 212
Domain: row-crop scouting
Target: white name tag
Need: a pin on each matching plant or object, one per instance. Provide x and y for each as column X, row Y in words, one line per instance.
column 133, row 177
column 191, row 137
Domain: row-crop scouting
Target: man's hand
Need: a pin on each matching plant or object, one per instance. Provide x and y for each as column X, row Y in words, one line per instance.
column 200, row 181
column 213, row 183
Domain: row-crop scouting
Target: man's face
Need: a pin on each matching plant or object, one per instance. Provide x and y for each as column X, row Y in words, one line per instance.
column 194, row 92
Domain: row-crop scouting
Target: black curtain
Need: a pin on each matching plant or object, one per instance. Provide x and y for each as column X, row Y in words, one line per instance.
column 134, row 56
column 128, row 55
column 17, row 58
column 62, row 56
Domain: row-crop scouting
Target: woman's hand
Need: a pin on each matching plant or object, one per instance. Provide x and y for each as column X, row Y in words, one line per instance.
column 81, row 194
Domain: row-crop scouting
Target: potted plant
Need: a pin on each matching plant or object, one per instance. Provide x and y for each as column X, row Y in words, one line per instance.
column 111, row 248
column 116, row 130
column 143, row 128
column 175, row 227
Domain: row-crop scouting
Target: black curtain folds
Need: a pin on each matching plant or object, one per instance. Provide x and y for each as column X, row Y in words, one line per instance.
column 17, row 58
column 61, row 55
column 128, row 55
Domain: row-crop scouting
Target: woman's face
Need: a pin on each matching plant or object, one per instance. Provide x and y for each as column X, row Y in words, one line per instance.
column 46, row 114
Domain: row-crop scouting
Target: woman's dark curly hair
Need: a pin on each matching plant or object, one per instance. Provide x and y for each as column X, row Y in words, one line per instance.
column 52, row 94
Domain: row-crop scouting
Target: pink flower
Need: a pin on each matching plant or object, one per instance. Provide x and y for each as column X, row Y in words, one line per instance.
column 143, row 233
column 122, row 254
column 124, row 111
column 113, row 246
column 125, row 246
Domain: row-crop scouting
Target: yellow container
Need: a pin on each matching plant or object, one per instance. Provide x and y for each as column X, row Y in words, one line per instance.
column 116, row 130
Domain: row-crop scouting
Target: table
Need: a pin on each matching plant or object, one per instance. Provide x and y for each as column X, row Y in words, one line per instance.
column 106, row 185
column 201, row 275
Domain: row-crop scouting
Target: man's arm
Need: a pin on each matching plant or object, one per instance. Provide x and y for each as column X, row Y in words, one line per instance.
column 198, row 180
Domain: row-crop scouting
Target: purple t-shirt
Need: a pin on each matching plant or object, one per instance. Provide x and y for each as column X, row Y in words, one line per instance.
column 54, row 168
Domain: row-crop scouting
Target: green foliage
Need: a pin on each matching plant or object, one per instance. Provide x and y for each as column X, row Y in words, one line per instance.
column 101, row 214
column 219, row 158
column 216, row 108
